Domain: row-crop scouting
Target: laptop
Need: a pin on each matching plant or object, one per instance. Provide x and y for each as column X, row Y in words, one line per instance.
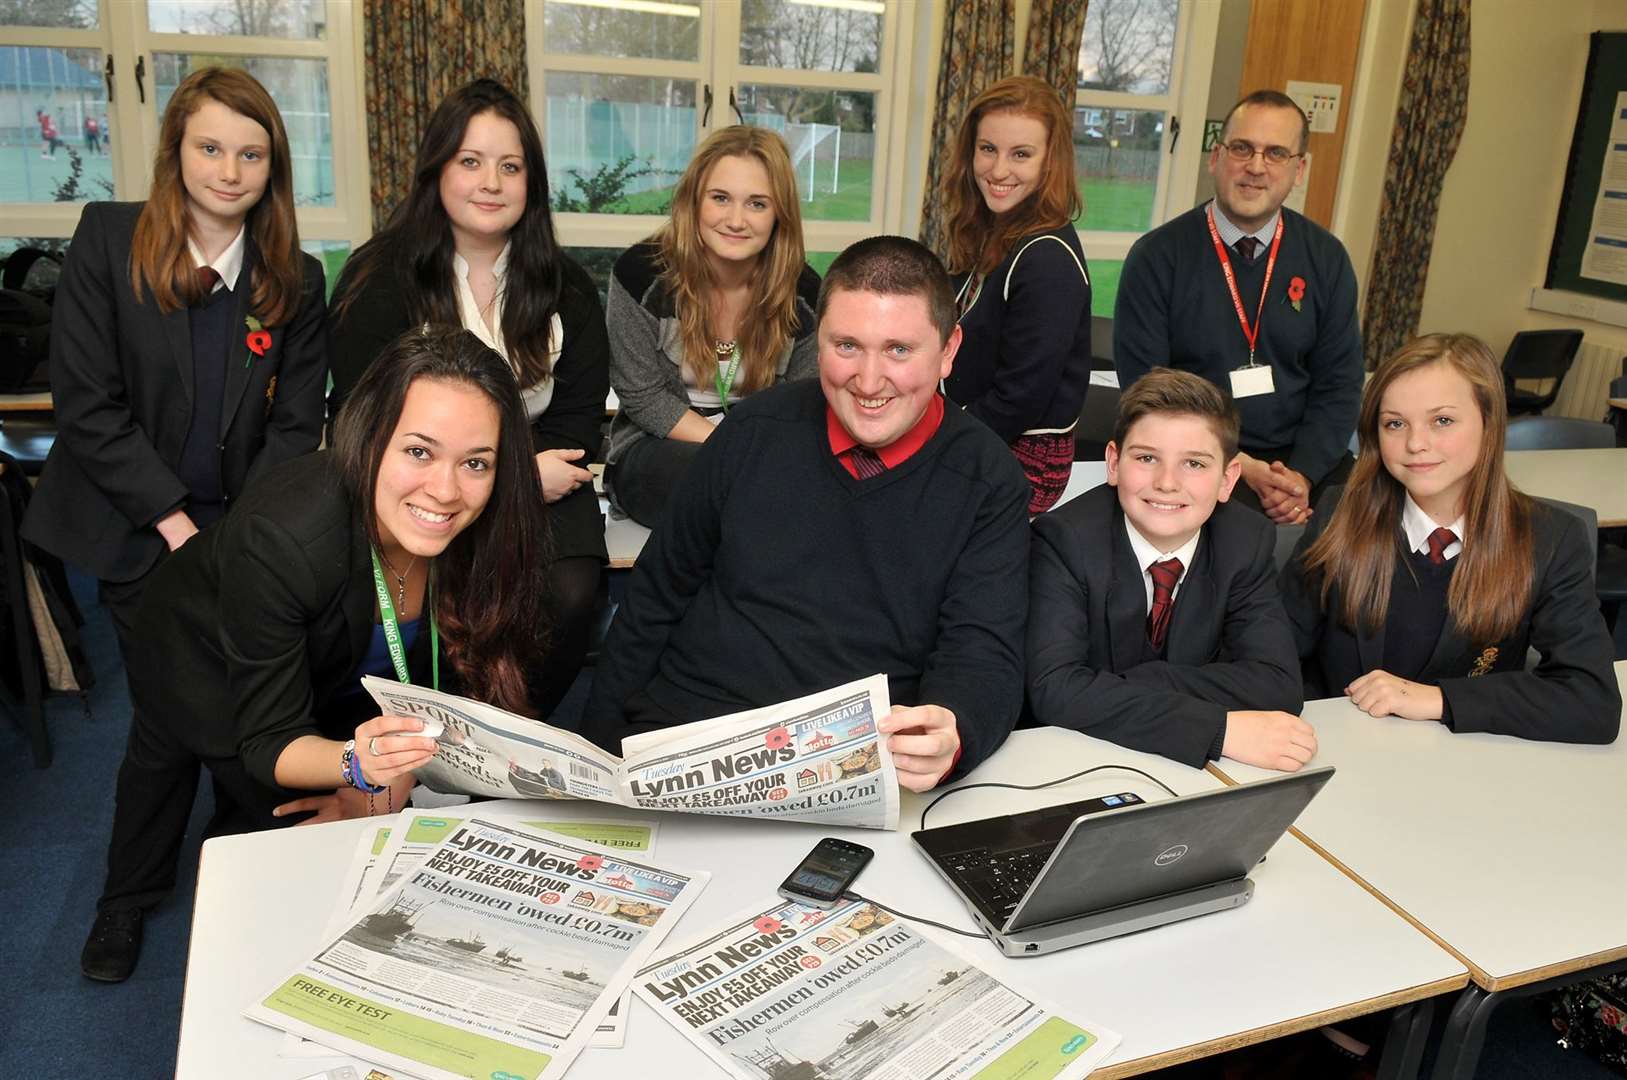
column 1078, row 872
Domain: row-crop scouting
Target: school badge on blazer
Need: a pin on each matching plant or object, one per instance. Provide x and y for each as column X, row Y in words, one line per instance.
column 1487, row 660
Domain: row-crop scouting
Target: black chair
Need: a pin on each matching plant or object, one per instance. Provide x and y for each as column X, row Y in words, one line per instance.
column 1101, row 342
column 1618, row 417
column 1538, row 356
column 1095, row 428
column 1557, row 433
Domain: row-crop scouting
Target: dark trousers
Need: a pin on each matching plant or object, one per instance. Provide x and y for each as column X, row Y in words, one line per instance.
column 646, row 476
column 153, row 801
column 574, row 599
column 1337, row 475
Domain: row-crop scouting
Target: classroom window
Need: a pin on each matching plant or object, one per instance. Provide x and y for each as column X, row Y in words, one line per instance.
column 78, row 123
column 624, row 96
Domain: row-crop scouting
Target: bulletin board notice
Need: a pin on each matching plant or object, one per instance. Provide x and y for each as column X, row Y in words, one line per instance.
column 1589, row 253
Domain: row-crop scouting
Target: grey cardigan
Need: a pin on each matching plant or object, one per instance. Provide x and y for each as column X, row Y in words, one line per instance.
column 646, row 348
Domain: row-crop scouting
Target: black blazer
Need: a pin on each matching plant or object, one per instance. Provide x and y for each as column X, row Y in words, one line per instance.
column 1229, row 645
column 1571, row 696
column 255, row 625
column 121, row 380
column 574, row 419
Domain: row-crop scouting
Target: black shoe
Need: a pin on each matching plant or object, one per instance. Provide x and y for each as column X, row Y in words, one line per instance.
column 113, row 946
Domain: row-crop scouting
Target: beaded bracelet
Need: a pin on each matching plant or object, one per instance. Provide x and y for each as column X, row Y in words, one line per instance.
column 350, row 771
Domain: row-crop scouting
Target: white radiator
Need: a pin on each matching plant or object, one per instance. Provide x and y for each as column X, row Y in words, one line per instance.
column 1587, row 384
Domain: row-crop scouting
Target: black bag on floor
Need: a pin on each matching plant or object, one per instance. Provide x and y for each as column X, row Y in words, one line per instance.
column 1591, row 1017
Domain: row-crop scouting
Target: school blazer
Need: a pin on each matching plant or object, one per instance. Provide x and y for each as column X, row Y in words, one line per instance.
column 1571, row 695
column 121, row 380
column 261, row 620
column 1229, row 645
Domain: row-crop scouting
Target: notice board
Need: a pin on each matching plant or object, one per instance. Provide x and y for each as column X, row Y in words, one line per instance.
column 1589, row 253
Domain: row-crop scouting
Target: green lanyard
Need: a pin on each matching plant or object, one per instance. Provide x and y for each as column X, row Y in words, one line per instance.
column 723, row 386
column 392, row 629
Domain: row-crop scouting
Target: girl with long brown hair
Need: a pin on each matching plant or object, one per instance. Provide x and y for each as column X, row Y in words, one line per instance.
column 1421, row 593
column 1020, row 278
column 473, row 245
column 414, row 550
column 187, row 351
column 716, row 305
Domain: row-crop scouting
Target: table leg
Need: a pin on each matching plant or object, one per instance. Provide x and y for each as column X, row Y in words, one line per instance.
column 1404, row 1042
column 1465, row 1034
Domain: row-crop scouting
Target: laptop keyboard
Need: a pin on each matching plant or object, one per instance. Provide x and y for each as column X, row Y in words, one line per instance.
column 999, row 878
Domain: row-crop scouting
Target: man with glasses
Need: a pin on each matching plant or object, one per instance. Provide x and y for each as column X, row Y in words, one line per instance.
column 1259, row 300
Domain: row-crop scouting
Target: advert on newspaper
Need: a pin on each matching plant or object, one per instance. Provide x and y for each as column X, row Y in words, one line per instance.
column 855, row 994
column 499, row 954
column 818, row 758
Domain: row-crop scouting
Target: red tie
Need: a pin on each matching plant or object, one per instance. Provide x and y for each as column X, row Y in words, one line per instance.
column 1164, row 576
column 1439, row 541
column 865, row 462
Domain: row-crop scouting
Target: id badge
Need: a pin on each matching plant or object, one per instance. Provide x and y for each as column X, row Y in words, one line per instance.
column 1252, row 381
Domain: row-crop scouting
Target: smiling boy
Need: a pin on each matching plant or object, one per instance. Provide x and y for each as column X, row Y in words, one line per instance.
column 1154, row 617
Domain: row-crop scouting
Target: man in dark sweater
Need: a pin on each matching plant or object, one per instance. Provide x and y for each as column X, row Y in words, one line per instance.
column 827, row 532
column 1242, row 278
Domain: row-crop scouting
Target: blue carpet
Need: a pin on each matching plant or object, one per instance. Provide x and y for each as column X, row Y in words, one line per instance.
column 57, row 1025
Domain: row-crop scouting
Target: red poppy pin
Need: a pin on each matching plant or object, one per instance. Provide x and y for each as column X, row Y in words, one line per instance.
column 1296, row 291
column 259, row 339
column 777, row 738
column 768, row 924
column 590, row 862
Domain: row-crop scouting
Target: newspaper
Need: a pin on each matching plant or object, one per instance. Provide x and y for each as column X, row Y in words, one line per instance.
column 381, row 858
column 497, row 956
column 818, row 758
column 854, row 993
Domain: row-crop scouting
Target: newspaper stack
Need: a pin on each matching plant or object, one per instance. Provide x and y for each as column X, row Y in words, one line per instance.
column 797, row 993
column 818, row 758
column 498, row 955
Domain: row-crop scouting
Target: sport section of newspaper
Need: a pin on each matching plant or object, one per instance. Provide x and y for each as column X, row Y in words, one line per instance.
column 818, row 758
column 853, row 993
column 415, row 980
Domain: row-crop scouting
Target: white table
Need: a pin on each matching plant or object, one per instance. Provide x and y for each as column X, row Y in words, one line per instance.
column 1507, row 852
column 1596, row 478
column 1311, row 947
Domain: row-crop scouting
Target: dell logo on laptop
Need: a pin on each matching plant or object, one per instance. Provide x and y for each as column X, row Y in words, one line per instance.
column 1170, row 855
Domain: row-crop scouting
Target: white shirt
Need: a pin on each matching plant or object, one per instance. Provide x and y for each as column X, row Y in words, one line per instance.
column 228, row 264
column 1418, row 525
column 1147, row 553
column 536, row 397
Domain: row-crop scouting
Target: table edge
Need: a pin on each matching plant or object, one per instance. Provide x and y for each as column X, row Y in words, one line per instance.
column 1116, row 1069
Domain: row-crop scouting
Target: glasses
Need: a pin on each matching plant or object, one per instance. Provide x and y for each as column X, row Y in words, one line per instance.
column 1242, row 150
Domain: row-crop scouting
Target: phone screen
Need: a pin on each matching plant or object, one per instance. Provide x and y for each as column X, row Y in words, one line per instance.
column 828, row 870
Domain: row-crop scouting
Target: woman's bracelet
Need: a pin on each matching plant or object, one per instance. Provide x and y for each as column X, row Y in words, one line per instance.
column 350, row 771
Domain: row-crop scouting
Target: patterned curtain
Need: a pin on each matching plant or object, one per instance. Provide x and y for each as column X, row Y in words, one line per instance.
column 977, row 53
column 417, row 52
column 1429, row 120
column 1052, row 49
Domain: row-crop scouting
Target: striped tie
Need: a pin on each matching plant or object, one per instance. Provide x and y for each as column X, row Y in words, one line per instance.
column 1439, row 541
column 1164, row 576
column 865, row 462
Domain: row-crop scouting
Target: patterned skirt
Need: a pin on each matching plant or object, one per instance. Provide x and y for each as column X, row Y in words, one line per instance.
column 1047, row 460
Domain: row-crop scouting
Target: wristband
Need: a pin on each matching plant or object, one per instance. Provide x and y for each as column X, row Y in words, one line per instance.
column 350, row 770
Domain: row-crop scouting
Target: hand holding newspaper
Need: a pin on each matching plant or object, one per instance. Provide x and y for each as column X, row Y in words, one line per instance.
column 818, row 758
column 498, row 955
column 854, row 994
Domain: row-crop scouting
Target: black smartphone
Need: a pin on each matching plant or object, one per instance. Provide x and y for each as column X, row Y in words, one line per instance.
column 827, row 872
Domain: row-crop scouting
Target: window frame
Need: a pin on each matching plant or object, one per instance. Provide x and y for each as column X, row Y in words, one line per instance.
column 348, row 220
column 718, row 65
